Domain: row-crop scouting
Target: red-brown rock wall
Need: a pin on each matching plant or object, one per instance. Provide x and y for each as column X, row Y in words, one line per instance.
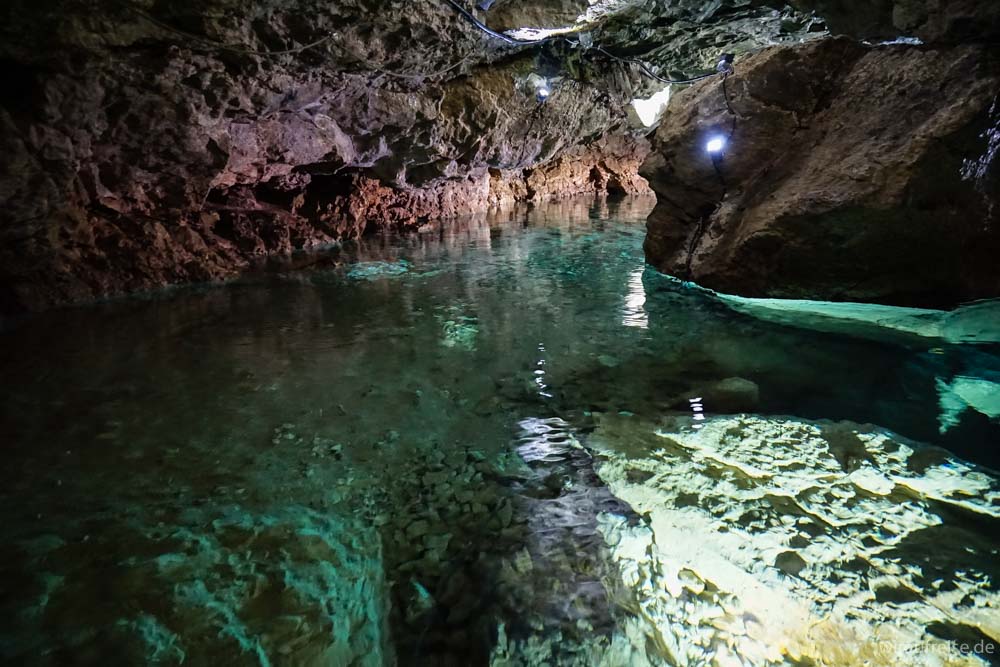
column 150, row 144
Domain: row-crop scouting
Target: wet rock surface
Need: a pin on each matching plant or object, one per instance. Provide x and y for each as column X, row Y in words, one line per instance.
column 149, row 144
column 851, row 173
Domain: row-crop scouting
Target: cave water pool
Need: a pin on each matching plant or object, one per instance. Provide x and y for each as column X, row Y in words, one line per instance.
column 507, row 443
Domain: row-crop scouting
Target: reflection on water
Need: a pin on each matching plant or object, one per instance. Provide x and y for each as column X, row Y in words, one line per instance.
column 411, row 451
column 634, row 313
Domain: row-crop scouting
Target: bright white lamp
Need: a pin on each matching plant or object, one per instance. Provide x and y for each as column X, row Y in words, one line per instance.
column 715, row 145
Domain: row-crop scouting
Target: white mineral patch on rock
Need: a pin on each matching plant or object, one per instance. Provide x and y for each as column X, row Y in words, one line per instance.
column 871, row 480
column 764, row 544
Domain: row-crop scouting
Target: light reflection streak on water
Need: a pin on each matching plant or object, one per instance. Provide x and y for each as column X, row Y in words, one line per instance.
column 634, row 311
column 540, row 373
column 698, row 411
column 543, row 439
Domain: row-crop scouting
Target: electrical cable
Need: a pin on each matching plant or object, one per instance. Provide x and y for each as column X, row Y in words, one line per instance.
column 695, row 240
column 718, row 172
column 716, row 165
column 729, row 106
column 421, row 75
column 715, row 157
column 535, row 113
column 489, row 31
column 455, row 5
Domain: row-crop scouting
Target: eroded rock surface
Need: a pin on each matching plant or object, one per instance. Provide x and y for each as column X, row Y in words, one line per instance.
column 851, row 173
column 787, row 542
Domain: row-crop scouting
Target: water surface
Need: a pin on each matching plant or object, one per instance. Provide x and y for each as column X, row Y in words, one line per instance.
column 383, row 455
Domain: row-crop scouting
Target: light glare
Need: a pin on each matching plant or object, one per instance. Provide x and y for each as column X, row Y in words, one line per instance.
column 715, row 145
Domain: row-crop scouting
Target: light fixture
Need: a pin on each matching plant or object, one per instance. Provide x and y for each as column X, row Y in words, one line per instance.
column 542, row 90
column 725, row 65
column 715, row 145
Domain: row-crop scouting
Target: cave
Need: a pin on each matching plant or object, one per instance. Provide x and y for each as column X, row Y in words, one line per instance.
column 630, row 333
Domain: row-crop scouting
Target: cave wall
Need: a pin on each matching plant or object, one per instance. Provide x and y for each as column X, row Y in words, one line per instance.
column 148, row 143
column 854, row 172
column 154, row 143
column 932, row 21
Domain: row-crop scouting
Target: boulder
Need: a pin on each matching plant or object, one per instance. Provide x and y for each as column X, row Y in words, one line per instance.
column 851, row 173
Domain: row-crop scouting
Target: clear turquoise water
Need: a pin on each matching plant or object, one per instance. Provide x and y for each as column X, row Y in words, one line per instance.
column 180, row 467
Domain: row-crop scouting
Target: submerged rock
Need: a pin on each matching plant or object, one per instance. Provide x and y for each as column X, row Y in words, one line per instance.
column 760, row 548
column 732, row 395
column 291, row 587
column 978, row 322
column 377, row 270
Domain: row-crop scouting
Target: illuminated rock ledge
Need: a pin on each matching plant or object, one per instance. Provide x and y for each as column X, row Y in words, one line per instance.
column 772, row 541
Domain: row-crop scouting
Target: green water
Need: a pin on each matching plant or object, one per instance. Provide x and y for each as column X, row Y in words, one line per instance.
column 381, row 456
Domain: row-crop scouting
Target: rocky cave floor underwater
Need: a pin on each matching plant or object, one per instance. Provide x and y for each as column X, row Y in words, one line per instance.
column 507, row 444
